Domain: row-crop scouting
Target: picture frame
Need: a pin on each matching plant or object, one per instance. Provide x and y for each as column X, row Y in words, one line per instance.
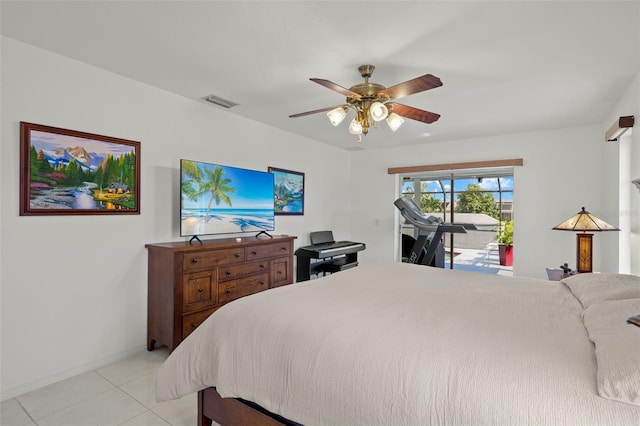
column 288, row 191
column 69, row 172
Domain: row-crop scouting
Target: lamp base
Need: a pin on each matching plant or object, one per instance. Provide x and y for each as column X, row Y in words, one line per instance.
column 584, row 262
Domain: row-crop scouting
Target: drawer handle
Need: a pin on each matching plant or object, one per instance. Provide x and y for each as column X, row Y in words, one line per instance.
column 261, row 283
column 254, row 253
column 237, row 254
column 200, row 290
column 194, row 260
column 228, row 272
column 262, row 266
column 194, row 324
column 283, row 248
column 228, row 291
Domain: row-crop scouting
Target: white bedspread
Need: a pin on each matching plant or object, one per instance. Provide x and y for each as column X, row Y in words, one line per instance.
column 402, row 344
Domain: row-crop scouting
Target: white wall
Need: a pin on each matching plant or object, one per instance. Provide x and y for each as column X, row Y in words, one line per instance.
column 73, row 289
column 634, row 169
column 562, row 172
column 621, row 199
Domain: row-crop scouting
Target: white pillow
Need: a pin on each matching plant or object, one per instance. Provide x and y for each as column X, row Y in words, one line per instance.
column 594, row 288
column 617, row 348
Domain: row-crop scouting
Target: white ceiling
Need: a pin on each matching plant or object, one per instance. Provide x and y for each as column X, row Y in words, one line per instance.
column 507, row 66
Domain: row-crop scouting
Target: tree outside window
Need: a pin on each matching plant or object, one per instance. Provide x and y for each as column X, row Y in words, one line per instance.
column 476, row 200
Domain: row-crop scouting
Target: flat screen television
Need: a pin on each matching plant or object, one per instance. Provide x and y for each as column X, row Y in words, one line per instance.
column 217, row 199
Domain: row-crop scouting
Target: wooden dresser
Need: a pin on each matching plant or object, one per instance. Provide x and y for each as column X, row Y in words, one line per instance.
column 187, row 283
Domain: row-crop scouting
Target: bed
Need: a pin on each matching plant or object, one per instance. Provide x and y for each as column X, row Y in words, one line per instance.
column 404, row 344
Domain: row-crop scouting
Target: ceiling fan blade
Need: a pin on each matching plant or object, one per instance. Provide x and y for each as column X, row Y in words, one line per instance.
column 412, row 113
column 336, row 87
column 315, row 111
column 418, row 84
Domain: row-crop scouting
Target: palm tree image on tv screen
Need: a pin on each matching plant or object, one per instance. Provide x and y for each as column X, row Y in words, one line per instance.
column 217, row 199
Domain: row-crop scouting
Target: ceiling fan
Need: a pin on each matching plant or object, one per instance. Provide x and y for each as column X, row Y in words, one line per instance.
column 372, row 101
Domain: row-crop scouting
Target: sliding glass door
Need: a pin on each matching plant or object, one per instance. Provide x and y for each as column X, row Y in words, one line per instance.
column 481, row 197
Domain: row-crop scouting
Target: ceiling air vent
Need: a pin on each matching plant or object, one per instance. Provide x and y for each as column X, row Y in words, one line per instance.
column 219, row 101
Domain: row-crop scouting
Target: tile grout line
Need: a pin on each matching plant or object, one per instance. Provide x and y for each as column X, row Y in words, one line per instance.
column 148, row 409
column 72, row 405
column 119, row 387
column 26, row 412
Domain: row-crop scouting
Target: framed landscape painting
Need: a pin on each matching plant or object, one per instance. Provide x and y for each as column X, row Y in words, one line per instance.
column 68, row 172
column 288, row 191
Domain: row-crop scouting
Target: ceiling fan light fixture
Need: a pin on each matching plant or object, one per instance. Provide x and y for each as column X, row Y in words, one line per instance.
column 378, row 111
column 355, row 128
column 372, row 102
column 394, row 121
column 337, row 115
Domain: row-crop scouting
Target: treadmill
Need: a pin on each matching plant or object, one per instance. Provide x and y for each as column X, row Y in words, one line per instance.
column 428, row 249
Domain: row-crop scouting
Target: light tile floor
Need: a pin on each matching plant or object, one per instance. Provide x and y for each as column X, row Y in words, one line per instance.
column 117, row 394
column 475, row 260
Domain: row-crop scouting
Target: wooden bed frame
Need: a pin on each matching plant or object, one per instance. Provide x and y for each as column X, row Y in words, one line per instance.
column 234, row 412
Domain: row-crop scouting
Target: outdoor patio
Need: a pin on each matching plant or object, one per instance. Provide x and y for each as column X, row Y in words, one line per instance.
column 484, row 260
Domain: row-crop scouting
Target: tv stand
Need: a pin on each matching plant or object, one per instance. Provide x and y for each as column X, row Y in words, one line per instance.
column 195, row 237
column 265, row 233
column 187, row 283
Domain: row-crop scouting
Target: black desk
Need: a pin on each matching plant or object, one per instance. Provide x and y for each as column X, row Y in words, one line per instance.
column 329, row 257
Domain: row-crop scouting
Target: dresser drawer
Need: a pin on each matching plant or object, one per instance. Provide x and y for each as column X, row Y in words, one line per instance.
column 227, row 273
column 232, row 290
column 268, row 250
column 199, row 290
column 192, row 321
column 209, row 259
column 281, row 272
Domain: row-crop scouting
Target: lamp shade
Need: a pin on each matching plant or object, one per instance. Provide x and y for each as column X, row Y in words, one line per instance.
column 337, row 115
column 394, row 121
column 586, row 222
column 355, row 128
column 378, row 111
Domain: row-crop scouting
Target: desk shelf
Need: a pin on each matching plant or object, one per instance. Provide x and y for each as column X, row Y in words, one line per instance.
column 322, row 259
column 337, row 265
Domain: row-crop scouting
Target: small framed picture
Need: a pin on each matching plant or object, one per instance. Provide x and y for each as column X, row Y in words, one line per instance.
column 288, row 191
column 68, row 172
